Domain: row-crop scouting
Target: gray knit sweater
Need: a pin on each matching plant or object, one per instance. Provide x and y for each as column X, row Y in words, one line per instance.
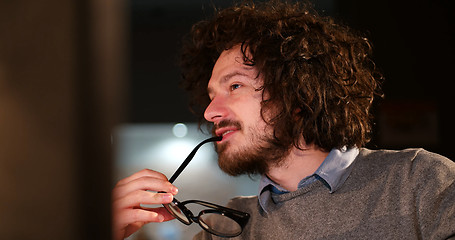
column 407, row 194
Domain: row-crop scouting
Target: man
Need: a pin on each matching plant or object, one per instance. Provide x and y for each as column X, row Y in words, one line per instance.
column 290, row 92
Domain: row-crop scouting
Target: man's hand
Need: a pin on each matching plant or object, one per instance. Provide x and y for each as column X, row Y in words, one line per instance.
column 131, row 192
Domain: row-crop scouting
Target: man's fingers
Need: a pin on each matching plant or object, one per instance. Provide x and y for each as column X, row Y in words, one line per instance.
column 131, row 216
column 135, row 199
column 138, row 217
column 131, row 194
column 141, row 215
column 162, row 211
column 144, row 183
column 142, row 173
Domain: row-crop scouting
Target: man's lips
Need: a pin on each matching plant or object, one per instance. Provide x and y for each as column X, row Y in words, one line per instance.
column 225, row 132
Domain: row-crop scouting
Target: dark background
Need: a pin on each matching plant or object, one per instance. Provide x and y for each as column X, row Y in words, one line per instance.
column 413, row 47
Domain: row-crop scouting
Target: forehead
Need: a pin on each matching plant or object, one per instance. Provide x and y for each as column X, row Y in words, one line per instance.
column 230, row 63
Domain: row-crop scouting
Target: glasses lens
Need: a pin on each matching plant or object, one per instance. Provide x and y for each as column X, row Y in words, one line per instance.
column 219, row 224
column 177, row 212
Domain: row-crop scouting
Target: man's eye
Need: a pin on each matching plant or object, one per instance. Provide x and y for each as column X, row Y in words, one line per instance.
column 235, row 86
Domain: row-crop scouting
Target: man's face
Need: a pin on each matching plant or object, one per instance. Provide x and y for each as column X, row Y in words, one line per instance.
column 235, row 111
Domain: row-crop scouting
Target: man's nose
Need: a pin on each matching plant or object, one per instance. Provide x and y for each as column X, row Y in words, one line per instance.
column 216, row 110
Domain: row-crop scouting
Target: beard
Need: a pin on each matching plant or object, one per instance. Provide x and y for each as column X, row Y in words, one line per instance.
column 256, row 157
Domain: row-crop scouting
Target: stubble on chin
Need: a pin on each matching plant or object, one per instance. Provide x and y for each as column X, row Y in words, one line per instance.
column 242, row 161
column 253, row 158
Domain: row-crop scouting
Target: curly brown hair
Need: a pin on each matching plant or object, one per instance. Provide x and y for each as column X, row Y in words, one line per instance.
column 318, row 74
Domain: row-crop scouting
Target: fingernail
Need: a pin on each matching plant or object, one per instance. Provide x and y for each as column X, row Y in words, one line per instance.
column 167, row 197
column 174, row 190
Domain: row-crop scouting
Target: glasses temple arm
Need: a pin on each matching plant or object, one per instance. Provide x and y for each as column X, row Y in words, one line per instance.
column 190, row 157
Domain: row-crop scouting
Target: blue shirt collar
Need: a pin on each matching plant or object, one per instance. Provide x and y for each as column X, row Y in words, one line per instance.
column 333, row 172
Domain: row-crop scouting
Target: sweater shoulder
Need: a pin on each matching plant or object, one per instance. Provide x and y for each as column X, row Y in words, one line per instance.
column 415, row 163
column 413, row 156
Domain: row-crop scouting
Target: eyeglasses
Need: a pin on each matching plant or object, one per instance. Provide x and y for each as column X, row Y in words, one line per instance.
column 217, row 220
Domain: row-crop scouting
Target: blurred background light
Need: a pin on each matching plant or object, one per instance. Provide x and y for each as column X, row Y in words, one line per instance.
column 180, row 130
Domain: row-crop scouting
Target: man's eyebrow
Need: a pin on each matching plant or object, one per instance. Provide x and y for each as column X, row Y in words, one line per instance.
column 227, row 77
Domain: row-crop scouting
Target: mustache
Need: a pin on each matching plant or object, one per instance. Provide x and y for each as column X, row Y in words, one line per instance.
column 226, row 123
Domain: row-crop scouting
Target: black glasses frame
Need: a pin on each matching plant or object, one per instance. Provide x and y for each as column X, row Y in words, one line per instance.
column 241, row 218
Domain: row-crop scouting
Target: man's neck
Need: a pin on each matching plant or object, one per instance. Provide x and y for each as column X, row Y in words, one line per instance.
column 297, row 165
